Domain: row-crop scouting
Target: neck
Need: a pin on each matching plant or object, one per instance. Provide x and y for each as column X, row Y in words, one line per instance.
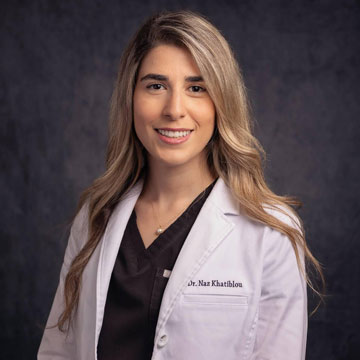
column 172, row 187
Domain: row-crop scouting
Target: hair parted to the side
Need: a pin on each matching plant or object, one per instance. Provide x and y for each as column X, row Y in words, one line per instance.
column 233, row 152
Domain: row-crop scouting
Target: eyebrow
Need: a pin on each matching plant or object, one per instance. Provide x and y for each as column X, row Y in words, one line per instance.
column 165, row 78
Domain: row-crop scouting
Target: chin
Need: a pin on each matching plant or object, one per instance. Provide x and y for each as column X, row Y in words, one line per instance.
column 173, row 159
column 173, row 162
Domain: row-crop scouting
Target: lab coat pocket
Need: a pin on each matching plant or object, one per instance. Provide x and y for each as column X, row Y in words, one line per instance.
column 212, row 325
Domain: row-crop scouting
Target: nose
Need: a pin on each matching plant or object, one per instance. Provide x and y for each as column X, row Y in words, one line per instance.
column 174, row 107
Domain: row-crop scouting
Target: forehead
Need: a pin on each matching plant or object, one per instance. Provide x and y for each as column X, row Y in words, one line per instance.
column 169, row 58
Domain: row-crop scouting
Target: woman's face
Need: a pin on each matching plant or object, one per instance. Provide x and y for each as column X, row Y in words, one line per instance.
column 174, row 116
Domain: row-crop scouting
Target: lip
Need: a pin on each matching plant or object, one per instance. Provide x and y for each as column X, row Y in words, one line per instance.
column 173, row 141
column 174, row 129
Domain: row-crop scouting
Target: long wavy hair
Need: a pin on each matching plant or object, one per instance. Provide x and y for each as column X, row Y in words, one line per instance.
column 233, row 153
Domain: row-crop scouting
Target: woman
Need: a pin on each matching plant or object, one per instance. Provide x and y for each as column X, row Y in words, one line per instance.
column 180, row 250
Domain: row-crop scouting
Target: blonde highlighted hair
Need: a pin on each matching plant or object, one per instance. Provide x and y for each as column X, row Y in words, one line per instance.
column 233, row 152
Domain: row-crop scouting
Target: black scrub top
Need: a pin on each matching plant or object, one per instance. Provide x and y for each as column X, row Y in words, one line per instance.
column 137, row 285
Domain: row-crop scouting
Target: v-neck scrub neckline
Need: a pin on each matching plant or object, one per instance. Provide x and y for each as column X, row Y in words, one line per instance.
column 137, row 285
column 168, row 235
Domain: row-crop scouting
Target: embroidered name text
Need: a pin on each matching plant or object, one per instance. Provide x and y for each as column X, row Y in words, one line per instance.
column 215, row 283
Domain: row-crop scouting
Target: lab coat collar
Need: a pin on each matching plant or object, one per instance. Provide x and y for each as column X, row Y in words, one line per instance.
column 220, row 196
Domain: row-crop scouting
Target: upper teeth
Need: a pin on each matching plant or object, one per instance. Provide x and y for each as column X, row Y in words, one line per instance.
column 174, row 134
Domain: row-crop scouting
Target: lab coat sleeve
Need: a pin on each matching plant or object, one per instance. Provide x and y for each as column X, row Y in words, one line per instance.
column 282, row 318
column 56, row 345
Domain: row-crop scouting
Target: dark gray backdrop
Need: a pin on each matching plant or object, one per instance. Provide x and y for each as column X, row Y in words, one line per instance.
column 58, row 63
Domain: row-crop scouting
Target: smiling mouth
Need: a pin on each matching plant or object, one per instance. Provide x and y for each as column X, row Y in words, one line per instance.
column 174, row 133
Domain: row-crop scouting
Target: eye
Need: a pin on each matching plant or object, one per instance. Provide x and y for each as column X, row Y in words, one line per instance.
column 197, row 89
column 154, row 86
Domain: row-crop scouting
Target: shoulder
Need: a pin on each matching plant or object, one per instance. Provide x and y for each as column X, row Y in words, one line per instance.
column 285, row 214
column 223, row 198
column 277, row 244
column 78, row 233
column 81, row 221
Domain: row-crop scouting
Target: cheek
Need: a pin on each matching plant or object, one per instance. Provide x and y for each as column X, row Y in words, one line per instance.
column 204, row 114
column 144, row 116
column 145, row 112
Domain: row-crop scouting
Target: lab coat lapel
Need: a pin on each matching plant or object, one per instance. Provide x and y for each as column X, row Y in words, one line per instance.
column 110, row 247
column 209, row 230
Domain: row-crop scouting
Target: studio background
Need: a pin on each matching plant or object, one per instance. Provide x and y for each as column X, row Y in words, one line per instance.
column 300, row 61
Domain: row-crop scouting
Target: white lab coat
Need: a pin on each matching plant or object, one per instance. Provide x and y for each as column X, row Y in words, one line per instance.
column 235, row 291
